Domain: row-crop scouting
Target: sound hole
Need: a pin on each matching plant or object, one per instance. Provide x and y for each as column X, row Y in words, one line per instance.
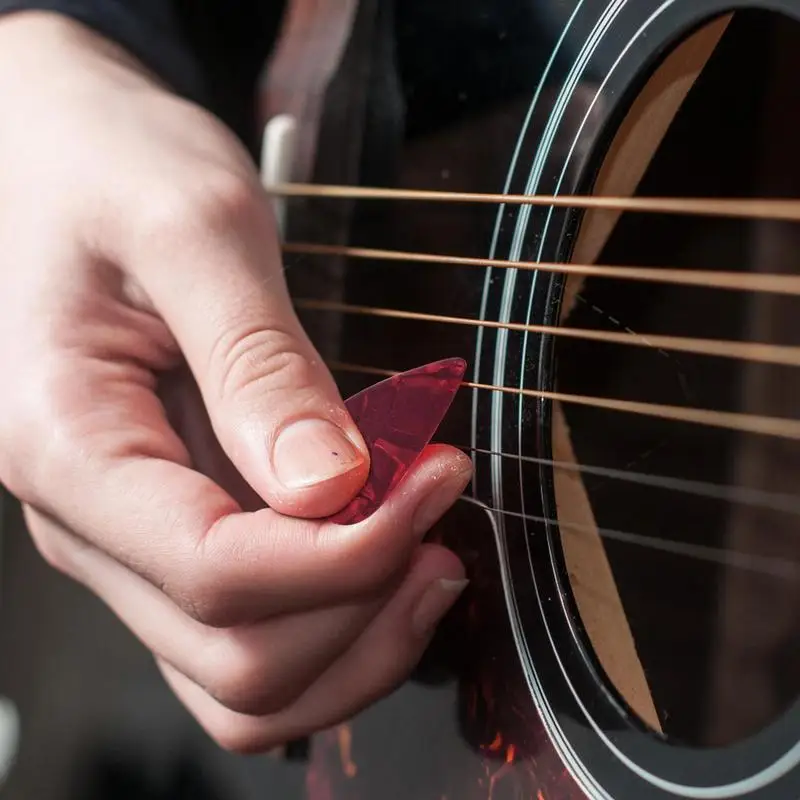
column 715, row 629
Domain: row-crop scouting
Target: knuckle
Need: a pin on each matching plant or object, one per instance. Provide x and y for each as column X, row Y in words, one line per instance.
column 242, row 678
column 202, row 597
column 48, row 548
column 169, row 212
column 19, row 428
column 57, row 547
column 203, row 591
column 198, row 578
column 53, row 556
column 12, row 476
column 226, row 197
column 217, row 201
column 47, row 434
column 372, row 570
column 254, row 360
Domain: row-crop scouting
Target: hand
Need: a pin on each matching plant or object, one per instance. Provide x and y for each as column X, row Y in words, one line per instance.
column 160, row 389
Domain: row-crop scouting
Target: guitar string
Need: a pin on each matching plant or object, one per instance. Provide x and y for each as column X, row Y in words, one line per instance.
column 781, row 567
column 745, row 496
column 776, row 567
column 779, row 354
column 762, row 209
column 740, row 208
column 710, row 279
column 779, row 427
column 757, row 498
column 773, row 501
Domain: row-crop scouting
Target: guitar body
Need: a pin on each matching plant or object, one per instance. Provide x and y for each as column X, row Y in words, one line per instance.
column 547, row 680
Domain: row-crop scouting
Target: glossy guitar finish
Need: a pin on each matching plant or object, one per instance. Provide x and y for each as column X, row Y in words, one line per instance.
column 507, row 96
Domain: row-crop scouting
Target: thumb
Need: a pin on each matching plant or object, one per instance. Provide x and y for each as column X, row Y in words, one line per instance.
column 273, row 404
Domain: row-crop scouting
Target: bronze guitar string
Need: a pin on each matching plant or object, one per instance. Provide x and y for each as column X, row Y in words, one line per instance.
column 740, row 208
column 786, row 355
column 779, row 427
column 788, row 210
column 709, row 279
column 781, row 568
column 755, row 351
column 762, row 352
column 773, row 501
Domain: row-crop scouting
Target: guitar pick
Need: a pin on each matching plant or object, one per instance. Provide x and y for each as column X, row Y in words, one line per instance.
column 398, row 418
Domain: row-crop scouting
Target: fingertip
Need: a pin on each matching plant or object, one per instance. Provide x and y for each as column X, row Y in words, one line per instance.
column 436, row 581
column 446, row 458
column 433, row 562
column 431, row 485
column 323, row 499
column 316, row 466
column 311, row 452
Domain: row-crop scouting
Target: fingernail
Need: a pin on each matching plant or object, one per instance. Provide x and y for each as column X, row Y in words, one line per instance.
column 435, row 504
column 437, row 600
column 312, row 451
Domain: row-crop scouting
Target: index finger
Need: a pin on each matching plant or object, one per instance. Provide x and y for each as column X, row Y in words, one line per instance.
column 186, row 535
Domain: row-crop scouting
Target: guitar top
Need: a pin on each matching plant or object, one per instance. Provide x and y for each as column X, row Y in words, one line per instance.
column 631, row 628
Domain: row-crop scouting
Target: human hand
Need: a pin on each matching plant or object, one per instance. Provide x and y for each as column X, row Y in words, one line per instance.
column 160, row 390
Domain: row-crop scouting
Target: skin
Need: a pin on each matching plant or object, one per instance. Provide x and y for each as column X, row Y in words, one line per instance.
column 153, row 361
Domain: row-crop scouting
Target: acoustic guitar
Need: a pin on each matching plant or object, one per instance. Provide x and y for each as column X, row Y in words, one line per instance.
column 590, row 201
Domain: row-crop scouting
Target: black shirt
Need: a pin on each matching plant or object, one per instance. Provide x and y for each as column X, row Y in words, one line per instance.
column 210, row 51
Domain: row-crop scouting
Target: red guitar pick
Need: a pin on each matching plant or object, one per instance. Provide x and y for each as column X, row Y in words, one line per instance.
column 398, row 418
